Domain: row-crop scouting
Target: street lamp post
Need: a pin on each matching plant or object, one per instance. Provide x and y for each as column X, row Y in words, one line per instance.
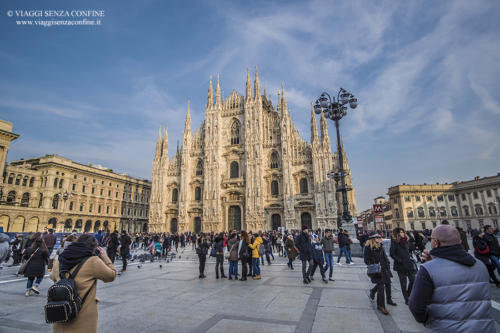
column 336, row 109
column 65, row 196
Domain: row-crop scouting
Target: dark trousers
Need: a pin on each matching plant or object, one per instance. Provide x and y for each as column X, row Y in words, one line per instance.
column 219, row 264
column 111, row 255
column 321, row 269
column 250, row 266
column 244, row 269
column 124, row 260
column 379, row 289
column 290, row 263
column 202, row 265
column 491, row 271
column 306, row 272
column 403, row 279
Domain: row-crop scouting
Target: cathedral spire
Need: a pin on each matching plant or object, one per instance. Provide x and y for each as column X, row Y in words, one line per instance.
column 324, row 131
column 256, row 83
column 217, row 92
column 210, row 99
column 158, row 144
column 314, row 127
column 187, row 124
column 164, row 148
column 278, row 106
column 283, row 100
column 249, row 85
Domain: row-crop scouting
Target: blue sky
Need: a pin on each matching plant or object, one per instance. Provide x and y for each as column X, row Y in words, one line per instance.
column 425, row 74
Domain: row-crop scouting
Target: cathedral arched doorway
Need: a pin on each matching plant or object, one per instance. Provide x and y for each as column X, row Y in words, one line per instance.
column 275, row 221
column 197, row 225
column 173, row 225
column 305, row 219
column 234, row 218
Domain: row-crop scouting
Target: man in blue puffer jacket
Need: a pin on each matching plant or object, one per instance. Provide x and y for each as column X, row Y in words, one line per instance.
column 451, row 291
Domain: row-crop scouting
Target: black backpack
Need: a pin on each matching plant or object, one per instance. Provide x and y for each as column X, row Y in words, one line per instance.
column 63, row 301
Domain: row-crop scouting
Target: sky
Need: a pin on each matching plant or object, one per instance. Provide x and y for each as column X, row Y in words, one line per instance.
column 425, row 74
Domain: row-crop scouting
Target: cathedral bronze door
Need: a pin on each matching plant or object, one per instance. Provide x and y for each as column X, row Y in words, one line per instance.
column 197, row 225
column 234, row 218
column 275, row 221
column 305, row 219
column 173, row 225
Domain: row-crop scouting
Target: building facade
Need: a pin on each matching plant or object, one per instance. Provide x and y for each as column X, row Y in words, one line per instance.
column 468, row 204
column 55, row 192
column 246, row 167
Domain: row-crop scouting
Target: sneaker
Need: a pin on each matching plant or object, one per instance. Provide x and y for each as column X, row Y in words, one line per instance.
column 331, row 279
column 27, row 293
column 325, row 280
column 339, row 264
column 35, row 290
column 351, row 263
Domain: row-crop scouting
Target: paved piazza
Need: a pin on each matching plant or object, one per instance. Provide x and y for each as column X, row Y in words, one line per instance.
column 173, row 299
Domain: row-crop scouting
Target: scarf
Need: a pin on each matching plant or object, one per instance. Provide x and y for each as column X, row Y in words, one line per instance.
column 73, row 255
column 404, row 242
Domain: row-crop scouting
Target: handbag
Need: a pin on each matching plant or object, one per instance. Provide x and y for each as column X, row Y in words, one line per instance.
column 374, row 271
column 22, row 268
column 228, row 253
column 213, row 252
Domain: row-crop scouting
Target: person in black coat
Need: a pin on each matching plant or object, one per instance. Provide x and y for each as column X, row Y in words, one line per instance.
column 375, row 254
column 403, row 264
column 304, row 247
column 38, row 257
column 244, row 253
column 482, row 252
column 125, row 242
column 112, row 245
column 219, row 255
column 202, row 252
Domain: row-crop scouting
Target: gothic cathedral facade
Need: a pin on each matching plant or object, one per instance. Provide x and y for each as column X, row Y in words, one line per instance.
column 246, row 168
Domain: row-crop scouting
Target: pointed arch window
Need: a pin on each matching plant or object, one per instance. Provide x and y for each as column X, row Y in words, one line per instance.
column 235, row 133
column 234, row 171
column 175, row 195
column 199, row 168
column 274, row 160
column 274, row 188
column 303, row 186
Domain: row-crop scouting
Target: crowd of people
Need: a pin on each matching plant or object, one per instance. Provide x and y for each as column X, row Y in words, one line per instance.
column 445, row 288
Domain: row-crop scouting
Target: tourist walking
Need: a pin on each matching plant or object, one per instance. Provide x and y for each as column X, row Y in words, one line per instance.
column 318, row 258
column 244, row 254
column 50, row 240
column 328, row 244
column 112, row 245
column 403, row 263
column 95, row 267
column 219, row 255
column 381, row 273
column 343, row 240
column 304, row 247
column 202, row 252
column 37, row 256
column 451, row 291
column 482, row 252
column 125, row 242
column 291, row 250
column 255, row 246
column 232, row 248
column 492, row 242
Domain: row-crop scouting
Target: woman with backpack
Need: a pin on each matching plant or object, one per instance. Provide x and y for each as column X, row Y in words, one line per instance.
column 482, row 252
column 97, row 266
column 37, row 256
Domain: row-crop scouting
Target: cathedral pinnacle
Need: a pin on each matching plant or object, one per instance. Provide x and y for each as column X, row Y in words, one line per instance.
column 256, row 83
column 314, row 126
column 210, row 99
column 187, row 124
column 283, row 100
column 217, row 92
column 324, row 131
column 249, row 85
column 158, row 144
column 164, row 148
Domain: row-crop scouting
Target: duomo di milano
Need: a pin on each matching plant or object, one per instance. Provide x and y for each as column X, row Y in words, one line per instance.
column 246, row 167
